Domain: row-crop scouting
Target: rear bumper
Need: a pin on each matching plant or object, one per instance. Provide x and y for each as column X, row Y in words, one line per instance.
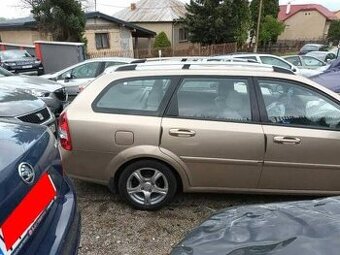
column 59, row 233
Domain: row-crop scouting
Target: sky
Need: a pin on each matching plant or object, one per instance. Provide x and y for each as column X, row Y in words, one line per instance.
column 15, row 9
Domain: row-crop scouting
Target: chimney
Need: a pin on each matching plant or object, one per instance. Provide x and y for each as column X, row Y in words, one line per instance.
column 288, row 8
column 133, row 6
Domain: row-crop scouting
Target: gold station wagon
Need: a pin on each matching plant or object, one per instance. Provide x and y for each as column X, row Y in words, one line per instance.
column 150, row 130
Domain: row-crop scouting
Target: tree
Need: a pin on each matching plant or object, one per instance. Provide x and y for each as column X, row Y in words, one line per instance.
column 63, row 19
column 215, row 21
column 334, row 32
column 271, row 28
column 161, row 41
column 269, row 7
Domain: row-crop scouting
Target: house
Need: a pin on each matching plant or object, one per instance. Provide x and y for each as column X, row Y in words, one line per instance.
column 104, row 34
column 305, row 21
column 158, row 16
column 337, row 14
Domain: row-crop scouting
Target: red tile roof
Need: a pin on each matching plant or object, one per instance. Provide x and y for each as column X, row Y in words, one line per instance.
column 305, row 7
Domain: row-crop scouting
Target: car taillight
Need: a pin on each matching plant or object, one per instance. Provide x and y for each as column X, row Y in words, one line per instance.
column 64, row 132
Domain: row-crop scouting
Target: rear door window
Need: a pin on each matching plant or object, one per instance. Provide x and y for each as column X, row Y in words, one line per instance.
column 295, row 60
column 225, row 99
column 135, row 96
column 268, row 60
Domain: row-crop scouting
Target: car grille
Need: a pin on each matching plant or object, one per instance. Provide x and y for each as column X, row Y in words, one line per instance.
column 61, row 94
column 25, row 63
column 37, row 117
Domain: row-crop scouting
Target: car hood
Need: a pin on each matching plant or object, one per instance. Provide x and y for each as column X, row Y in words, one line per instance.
column 16, row 103
column 302, row 227
column 329, row 79
column 29, row 82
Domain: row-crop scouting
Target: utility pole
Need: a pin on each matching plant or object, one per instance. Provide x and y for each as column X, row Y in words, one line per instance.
column 258, row 27
column 95, row 5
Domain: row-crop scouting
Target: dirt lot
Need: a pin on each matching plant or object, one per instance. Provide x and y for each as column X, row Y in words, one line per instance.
column 109, row 226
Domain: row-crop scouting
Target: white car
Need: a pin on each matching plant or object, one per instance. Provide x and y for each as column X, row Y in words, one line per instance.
column 273, row 60
column 75, row 76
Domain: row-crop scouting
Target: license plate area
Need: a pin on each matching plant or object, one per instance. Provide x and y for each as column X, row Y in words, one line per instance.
column 23, row 220
column 27, row 66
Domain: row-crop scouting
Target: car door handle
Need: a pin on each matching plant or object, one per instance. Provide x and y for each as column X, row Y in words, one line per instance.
column 287, row 140
column 181, row 132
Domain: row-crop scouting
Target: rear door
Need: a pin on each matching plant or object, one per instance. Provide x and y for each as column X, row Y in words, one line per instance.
column 302, row 129
column 210, row 125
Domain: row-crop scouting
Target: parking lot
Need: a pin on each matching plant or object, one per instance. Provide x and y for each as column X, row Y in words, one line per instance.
column 110, row 226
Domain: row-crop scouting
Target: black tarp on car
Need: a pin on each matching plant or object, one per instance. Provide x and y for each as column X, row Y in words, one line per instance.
column 294, row 228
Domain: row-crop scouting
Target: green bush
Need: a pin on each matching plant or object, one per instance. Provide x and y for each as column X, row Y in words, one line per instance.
column 161, row 41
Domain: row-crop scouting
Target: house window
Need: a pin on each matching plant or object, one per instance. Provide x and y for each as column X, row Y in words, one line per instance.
column 102, row 41
column 183, row 35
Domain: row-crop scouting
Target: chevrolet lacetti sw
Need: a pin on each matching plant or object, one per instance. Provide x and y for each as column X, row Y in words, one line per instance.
column 162, row 128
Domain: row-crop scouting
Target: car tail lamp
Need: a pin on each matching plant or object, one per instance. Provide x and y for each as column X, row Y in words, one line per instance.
column 64, row 132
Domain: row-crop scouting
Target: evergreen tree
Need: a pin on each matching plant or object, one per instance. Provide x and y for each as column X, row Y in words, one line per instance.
column 161, row 41
column 215, row 21
column 334, row 32
column 63, row 19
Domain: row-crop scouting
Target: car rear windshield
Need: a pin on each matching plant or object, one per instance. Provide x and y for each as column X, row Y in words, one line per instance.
column 14, row 54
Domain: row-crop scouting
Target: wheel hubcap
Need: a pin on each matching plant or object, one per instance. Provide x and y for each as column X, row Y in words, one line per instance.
column 147, row 186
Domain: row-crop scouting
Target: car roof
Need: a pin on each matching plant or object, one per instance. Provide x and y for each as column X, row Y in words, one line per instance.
column 122, row 59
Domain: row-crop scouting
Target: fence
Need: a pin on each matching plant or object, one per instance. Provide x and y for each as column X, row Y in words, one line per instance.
column 186, row 49
column 281, row 47
column 190, row 49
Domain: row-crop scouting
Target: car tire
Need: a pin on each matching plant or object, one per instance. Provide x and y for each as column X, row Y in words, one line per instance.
column 147, row 184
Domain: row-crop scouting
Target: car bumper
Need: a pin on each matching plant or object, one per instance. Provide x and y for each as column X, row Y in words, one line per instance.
column 55, row 105
column 34, row 69
column 59, row 233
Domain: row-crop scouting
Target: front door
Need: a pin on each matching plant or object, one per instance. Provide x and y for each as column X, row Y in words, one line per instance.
column 209, row 126
column 302, row 129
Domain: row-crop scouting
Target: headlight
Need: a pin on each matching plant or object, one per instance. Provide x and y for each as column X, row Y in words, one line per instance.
column 37, row 93
column 10, row 64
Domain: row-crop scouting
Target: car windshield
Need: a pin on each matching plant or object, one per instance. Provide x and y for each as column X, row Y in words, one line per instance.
column 14, row 54
column 4, row 73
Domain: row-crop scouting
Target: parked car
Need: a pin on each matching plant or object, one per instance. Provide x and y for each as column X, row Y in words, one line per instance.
column 309, row 65
column 20, row 61
column 23, row 107
column 152, row 131
column 305, row 61
column 329, row 78
column 312, row 47
column 52, row 93
column 300, row 227
column 38, row 209
column 267, row 59
column 82, row 73
column 325, row 56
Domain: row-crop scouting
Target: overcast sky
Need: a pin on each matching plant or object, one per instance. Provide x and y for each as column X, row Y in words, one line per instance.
column 14, row 8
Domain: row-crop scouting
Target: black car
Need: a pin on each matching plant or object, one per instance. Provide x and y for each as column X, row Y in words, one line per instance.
column 20, row 61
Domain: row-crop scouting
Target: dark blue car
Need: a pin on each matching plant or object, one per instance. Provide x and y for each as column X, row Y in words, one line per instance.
column 330, row 78
column 38, row 209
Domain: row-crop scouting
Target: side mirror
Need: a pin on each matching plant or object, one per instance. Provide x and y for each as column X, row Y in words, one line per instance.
column 68, row 77
column 294, row 69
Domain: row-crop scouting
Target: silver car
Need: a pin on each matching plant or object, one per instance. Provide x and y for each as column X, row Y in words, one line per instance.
column 52, row 93
column 23, row 107
column 84, row 72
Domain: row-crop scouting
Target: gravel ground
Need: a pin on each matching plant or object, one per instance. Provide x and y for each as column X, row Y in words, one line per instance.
column 110, row 226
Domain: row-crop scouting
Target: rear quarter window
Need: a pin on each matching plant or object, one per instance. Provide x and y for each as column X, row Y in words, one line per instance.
column 142, row 96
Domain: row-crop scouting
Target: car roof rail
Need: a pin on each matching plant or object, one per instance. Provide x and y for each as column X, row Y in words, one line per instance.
column 188, row 65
